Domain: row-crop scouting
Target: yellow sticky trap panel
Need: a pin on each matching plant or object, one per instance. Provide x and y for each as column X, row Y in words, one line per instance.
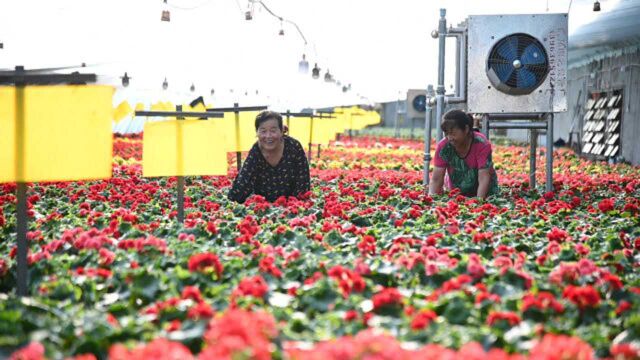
column 183, row 148
column 121, row 111
column 240, row 136
column 300, row 129
column 65, row 135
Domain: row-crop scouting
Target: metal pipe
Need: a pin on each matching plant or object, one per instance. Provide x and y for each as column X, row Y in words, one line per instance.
column 518, row 125
column 427, row 148
column 549, row 184
column 457, row 83
column 442, row 33
column 180, row 113
column 485, row 125
column 515, row 116
column 180, row 178
column 532, row 158
column 21, row 191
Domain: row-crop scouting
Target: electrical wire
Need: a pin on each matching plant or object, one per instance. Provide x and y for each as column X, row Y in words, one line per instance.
column 206, row 2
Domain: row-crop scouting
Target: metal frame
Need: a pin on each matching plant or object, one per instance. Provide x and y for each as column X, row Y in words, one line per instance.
column 179, row 114
column 237, row 110
column 21, row 79
column 535, row 121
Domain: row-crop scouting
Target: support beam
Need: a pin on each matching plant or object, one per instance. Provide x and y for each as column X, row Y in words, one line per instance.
column 533, row 141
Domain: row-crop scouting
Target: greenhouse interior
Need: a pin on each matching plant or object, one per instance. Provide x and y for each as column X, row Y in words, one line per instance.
column 278, row 179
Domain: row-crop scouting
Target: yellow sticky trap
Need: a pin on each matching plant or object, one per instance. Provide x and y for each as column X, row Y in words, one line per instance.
column 121, row 111
column 65, row 134
column 240, row 136
column 183, row 148
column 300, row 129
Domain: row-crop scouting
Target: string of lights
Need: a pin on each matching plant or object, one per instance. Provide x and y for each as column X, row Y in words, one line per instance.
column 303, row 64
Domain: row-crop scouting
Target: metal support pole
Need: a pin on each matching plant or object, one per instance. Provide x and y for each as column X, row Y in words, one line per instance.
column 238, row 153
column 180, row 179
column 318, row 152
column 21, row 215
column 427, row 148
column 549, row 184
column 442, row 35
column 21, row 194
column 533, row 133
column 485, row 125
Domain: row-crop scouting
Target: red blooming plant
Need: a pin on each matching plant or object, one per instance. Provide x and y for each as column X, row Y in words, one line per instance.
column 240, row 334
column 206, row 261
column 161, row 349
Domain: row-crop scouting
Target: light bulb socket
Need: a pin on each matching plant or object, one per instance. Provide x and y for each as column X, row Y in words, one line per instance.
column 596, row 6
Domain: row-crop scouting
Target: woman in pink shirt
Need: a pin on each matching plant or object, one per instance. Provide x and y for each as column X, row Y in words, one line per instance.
column 465, row 156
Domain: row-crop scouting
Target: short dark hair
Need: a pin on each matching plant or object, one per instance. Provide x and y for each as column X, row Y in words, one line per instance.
column 268, row 115
column 456, row 119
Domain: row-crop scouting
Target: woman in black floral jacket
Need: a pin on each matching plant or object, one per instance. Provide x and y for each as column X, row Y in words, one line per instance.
column 276, row 165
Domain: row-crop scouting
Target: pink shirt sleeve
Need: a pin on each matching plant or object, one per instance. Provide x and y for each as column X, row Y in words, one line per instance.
column 437, row 160
column 483, row 155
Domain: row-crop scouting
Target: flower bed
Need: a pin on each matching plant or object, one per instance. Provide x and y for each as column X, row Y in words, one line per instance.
column 366, row 264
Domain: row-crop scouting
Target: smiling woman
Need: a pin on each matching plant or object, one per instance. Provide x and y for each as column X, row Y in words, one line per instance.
column 276, row 165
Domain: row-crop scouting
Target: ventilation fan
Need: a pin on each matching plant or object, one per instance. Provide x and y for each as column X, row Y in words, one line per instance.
column 517, row 64
column 416, row 103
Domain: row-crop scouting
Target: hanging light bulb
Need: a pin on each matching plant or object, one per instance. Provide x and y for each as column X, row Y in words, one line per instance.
column 345, row 89
column 303, row 65
column 193, row 87
column 247, row 15
column 165, row 84
column 212, row 92
column 166, row 15
column 315, row 72
column 125, row 79
column 281, row 32
column 596, row 6
column 327, row 76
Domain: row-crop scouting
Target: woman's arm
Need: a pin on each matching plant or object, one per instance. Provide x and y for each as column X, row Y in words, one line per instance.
column 484, row 180
column 244, row 184
column 437, row 180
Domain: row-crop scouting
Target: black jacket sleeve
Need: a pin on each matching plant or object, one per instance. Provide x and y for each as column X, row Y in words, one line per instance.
column 302, row 178
column 244, row 184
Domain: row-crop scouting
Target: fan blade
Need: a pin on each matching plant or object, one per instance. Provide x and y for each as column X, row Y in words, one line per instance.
column 508, row 48
column 526, row 78
column 533, row 54
column 503, row 71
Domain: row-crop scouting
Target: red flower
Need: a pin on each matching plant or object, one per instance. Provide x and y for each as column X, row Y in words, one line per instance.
column 557, row 235
column 193, row 293
column 606, row 205
column 254, row 286
column 423, row 319
column 625, row 351
column 33, row 351
column 200, row 262
column 542, row 301
column 161, row 349
column 583, row 296
column 200, row 310
column 386, row 297
column 350, row 315
column 561, row 347
column 240, row 334
column 508, row 316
